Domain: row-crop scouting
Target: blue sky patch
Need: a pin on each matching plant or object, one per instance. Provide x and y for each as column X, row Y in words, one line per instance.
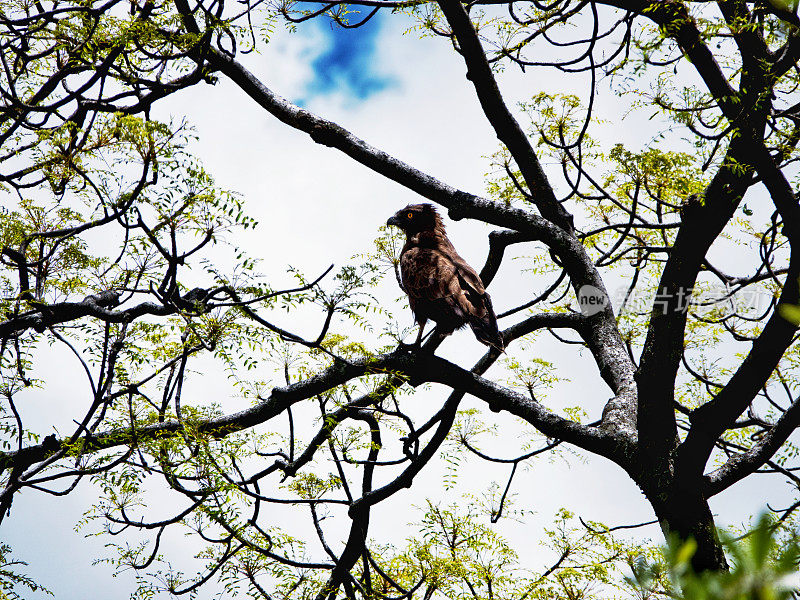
column 348, row 63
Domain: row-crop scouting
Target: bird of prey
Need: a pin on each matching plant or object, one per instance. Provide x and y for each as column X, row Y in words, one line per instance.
column 441, row 286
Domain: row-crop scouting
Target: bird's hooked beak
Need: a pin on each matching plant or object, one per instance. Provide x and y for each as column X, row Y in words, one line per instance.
column 393, row 220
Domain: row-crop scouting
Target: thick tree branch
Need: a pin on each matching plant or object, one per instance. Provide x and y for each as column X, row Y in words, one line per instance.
column 63, row 312
column 505, row 125
column 703, row 221
column 422, row 366
column 460, row 204
column 710, row 420
column 606, row 344
column 498, row 242
column 741, row 465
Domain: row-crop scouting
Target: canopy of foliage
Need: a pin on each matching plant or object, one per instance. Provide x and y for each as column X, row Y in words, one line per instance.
column 118, row 249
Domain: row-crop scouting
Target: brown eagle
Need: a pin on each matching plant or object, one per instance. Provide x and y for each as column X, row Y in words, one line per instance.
column 441, row 286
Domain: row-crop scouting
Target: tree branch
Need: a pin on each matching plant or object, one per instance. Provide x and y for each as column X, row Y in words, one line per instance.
column 741, row 465
column 505, row 125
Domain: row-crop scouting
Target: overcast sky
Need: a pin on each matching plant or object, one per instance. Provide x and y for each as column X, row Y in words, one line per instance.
column 408, row 96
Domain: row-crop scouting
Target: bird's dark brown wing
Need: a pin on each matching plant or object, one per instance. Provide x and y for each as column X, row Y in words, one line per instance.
column 474, row 300
column 443, row 287
column 467, row 274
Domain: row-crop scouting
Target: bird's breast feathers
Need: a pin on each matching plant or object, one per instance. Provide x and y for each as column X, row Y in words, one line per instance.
column 427, row 273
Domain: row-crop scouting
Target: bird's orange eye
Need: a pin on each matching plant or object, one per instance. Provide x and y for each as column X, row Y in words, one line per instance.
column 410, row 215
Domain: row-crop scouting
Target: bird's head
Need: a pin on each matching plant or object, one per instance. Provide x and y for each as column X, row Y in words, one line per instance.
column 415, row 218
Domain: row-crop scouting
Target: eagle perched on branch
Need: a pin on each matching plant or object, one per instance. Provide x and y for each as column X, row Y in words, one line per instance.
column 441, row 286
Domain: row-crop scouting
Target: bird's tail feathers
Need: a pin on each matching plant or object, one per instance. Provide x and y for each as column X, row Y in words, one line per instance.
column 486, row 335
column 485, row 328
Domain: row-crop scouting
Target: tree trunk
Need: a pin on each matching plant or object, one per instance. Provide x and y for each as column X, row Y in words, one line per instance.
column 683, row 512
